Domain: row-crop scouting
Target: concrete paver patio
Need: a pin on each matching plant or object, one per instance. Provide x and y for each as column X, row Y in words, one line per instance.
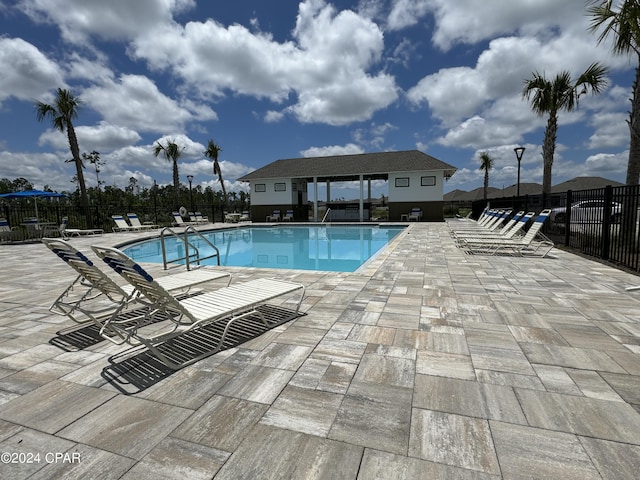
column 425, row 364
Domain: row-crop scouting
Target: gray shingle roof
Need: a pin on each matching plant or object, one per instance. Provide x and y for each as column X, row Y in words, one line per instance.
column 380, row 163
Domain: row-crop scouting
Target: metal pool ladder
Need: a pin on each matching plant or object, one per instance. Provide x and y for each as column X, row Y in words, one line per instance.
column 168, row 232
column 325, row 215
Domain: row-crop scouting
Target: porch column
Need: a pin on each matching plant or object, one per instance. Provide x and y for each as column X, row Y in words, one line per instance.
column 315, row 199
column 361, row 199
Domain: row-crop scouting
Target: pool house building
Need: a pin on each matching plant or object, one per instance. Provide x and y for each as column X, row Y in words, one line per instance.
column 415, row 181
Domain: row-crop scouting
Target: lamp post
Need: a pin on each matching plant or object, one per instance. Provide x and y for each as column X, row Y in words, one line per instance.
column 519, row 151
column 190, row 178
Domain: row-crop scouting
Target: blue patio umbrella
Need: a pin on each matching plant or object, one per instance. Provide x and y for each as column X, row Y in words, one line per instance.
column 32, row 194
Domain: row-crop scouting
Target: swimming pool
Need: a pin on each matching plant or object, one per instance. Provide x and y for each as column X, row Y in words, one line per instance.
column 327, row 248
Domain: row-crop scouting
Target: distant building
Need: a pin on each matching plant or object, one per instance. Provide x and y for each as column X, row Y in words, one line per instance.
column 577, row 183
column 415, row 180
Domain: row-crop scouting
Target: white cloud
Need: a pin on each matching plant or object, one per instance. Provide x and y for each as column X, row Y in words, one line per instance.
column 331, row 150
column 28, row 73
column 104, row 137
column 603, row 164
column 406, row 13
column 611, row 131
column 134, row 101
column 470, row 21
column 452, row 93
column 39, row 168
column 326, row 64
column 116, row 19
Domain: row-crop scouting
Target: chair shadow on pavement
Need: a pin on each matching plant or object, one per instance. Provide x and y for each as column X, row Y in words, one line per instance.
column 137, row 369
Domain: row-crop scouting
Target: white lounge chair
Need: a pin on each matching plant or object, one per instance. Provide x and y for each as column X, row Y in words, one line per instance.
column 513, row 226
column 76, row 232
column 233, row 305
column 179, row 222
column 135, row 222
column 274, row 217
column 94, row 297
column 122, row 225
column 201, row 219
column 494, row 219
column 415, row 214
column 7, row 233
column 288, row 217
column 527, row 245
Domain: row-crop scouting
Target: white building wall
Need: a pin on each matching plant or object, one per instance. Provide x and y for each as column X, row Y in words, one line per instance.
column 273, row 192
column 416, row 186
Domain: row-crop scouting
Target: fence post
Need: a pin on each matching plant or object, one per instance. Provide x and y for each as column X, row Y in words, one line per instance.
column 567, row 217
column 606, row 222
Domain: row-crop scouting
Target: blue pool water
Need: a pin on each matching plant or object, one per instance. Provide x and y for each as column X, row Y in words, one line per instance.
column 327, row 248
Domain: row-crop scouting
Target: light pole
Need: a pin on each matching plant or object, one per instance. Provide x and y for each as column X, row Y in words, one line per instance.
column 190, row 178
column 519, row 151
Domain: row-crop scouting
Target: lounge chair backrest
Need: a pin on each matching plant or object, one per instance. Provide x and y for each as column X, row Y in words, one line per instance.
column 494, row 220
column 519, row 225
column 512, row 222
column 4, row 225
column 139, row 278
column 177, row 218
column 486, row 216
column 134, row 220
column 537, row 225
column 120, row 222
column 85, row 267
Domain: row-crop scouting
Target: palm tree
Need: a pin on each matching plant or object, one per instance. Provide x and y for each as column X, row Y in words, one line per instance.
column 171, row 152
column 552, row 96
column 624, row 26
column 486, row 164
column 62, row 113
column 212, row 152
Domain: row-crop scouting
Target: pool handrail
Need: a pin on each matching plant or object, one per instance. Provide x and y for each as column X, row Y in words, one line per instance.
column 325, row 215
column 184, row 237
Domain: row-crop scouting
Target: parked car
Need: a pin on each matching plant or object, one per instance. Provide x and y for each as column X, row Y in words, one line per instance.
column 588, row 211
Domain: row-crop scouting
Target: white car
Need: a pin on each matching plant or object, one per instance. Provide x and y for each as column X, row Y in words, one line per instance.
column 588, row 211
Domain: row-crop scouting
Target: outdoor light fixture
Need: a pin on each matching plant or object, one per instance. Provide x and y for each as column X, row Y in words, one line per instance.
column 519, row 151
column 190, row 178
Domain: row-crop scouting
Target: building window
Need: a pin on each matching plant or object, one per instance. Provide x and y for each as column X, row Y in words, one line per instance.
column 428, row 181
column 259, row 187
column 402, row 182
column 294, row 187
column 280, row 187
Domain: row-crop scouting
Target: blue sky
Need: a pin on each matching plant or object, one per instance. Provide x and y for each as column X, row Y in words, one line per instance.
column 285, row 79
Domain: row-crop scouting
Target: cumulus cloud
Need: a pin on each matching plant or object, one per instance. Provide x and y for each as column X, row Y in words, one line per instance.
column 465, row 21
column 134, row 101
column 331, row 150
column 327, row 64
column 104, row 137
column 79, row 20
column 39, row 168
column 30, row 74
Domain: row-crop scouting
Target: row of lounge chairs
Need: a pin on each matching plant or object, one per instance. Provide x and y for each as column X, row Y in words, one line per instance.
column 490, row 235
column 194, row 219
column 34, row 230
column 134, row 224
column 275, row 216
column 150, row 311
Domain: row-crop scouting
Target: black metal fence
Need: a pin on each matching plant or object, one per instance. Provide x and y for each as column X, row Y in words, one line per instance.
column 16, row 212
column 602, row 223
